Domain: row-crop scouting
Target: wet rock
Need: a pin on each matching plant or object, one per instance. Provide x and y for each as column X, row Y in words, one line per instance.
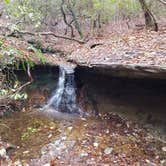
column 57, row 147
column 108, row 150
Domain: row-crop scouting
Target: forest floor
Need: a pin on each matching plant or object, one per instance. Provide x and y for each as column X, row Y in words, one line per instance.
column 136, row 47
column 133, row 48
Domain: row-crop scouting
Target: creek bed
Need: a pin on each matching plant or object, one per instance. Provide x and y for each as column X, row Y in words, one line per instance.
column 123, row 124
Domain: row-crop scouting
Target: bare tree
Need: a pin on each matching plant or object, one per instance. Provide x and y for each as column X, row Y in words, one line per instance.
column 70, row 6
column 150, row 20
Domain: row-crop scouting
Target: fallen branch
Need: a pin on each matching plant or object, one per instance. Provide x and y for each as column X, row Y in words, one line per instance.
column 46, row 34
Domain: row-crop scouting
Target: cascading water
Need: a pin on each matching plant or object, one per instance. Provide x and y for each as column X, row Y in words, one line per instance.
column 64, row 97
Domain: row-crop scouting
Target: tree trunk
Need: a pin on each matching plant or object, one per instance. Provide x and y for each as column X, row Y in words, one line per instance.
column 150, row 20
column 65, row 19
column 99, row 20
column 77, row 25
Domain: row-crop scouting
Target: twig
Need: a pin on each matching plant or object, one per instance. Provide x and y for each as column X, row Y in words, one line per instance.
column 2, row 124
column 29, row 82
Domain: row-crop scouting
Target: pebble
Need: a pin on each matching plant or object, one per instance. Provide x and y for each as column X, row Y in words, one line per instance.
column 163, row 161
column 108, row 150
column 107, row 131
column 127, row 124
column 64, row 138
column 164, row 149
column 70, row 128
column 3, row 153
column 95, row 144
column 52, row 128
column 26, row 152
column 50, row 135
column 47, row 164
column 118, row 125
column 84, row 154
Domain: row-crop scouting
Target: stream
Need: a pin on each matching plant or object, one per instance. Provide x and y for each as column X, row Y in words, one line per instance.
column 76, row 117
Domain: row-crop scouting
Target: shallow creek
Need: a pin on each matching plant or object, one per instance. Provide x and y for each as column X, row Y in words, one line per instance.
column 122, row 122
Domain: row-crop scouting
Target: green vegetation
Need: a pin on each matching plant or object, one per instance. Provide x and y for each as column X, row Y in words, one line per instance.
column 76, row 14
column 28, row 133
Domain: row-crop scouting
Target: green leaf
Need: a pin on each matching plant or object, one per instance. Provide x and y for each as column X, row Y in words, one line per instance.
column 7, row 1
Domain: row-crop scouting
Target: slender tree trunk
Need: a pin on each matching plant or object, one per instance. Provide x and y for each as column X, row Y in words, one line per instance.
column 99, row 20
column 77, row 25
column 65, row 19
column 150, row 20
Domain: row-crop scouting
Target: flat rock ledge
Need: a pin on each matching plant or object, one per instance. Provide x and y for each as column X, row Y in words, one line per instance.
column 126, row 70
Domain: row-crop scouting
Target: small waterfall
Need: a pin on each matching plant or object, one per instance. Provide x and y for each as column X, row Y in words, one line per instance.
column 64, row 97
